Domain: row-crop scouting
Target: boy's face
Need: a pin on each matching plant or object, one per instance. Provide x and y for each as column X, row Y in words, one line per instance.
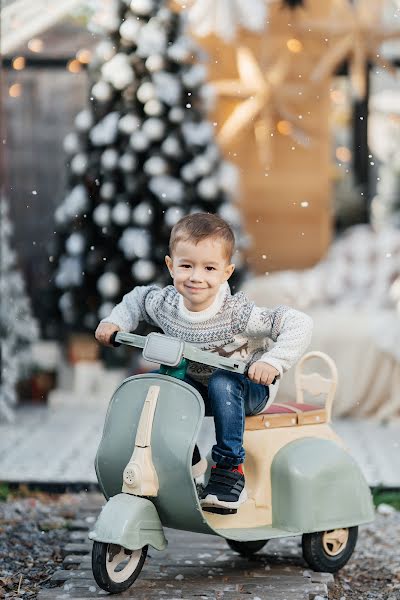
column 198, row 270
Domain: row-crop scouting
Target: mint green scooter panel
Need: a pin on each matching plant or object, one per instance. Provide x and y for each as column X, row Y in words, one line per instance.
column 131, row 522
column 177, row 420
column 316, row 486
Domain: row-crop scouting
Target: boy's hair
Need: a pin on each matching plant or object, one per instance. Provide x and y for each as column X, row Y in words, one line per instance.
column 199, row 226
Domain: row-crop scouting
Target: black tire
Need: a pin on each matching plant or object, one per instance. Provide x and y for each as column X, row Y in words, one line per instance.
column 246, row 548
column 101, row 553
column 319, row 559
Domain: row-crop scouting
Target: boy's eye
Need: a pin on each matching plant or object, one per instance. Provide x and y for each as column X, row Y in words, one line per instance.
column 186, row 266
column 210, row 268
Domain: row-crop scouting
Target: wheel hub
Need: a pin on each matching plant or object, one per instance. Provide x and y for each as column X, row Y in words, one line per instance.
column 334, row 541
column 121, row 563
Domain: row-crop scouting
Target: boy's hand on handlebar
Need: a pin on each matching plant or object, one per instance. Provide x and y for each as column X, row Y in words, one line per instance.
column 104, row 331
column 262, row 372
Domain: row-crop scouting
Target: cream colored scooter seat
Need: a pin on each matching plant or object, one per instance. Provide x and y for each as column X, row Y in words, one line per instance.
column 296, row 413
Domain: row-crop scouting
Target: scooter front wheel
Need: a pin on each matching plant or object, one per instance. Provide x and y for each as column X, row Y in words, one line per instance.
column 329, row 550
column 115, row 568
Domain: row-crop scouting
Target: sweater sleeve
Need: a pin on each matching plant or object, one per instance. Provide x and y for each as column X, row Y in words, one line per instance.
column 135, row 306
column 290, row 329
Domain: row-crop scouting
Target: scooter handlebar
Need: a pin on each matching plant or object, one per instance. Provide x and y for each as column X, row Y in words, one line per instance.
column 190, row 352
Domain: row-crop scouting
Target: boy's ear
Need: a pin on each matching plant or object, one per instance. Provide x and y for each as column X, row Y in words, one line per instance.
column 228, row 271
column 168, row 262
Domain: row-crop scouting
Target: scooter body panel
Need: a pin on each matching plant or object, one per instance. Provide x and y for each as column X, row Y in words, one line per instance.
column 177, row 420
column 131, row 522
column 317, row 486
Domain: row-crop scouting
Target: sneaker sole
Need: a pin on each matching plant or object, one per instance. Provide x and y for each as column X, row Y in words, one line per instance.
column 211, row 501
column 199, row 468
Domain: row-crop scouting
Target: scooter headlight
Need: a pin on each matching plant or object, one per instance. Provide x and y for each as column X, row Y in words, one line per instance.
column 163, row 349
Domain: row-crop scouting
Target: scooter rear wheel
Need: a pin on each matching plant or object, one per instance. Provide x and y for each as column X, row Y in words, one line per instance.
column 115, row 568
column 246, row 548
column 329, row 551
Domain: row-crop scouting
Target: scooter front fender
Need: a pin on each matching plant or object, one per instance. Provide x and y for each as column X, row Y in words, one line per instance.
column 131, row 522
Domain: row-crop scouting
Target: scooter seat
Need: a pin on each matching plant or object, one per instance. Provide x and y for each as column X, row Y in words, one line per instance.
column 289, row 414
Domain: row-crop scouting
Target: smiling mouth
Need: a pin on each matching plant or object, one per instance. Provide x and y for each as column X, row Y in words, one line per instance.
column 194, row 288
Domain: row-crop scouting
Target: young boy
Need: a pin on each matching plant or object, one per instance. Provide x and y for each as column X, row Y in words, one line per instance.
column 200, row 310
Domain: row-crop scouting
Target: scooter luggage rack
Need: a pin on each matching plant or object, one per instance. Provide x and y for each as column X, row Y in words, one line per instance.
column 189, row 352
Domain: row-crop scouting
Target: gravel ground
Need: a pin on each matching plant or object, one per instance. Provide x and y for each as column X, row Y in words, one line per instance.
column 34, row 529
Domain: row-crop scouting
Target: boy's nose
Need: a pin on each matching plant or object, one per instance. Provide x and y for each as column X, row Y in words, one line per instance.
column 195, row 275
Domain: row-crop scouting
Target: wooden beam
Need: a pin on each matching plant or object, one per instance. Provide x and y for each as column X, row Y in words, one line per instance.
column 23, row 19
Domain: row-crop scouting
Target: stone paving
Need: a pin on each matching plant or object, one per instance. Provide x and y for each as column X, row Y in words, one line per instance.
column 194, row 566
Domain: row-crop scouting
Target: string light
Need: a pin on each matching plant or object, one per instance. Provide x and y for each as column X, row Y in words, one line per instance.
column 294, row 45
column 35, row 45
column 343, row 154
column 15, row 90
column 19, row 63
column 74, row 66
column 84, row 56
column 284, row 127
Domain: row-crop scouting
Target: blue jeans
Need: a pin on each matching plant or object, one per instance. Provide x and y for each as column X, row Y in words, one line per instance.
column 229, row 398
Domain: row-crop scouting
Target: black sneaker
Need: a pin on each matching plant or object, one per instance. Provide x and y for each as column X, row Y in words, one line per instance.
column 224, row 492
column 199, row 465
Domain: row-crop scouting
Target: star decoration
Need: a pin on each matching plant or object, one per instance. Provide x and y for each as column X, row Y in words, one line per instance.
column 356, row 33
column 264, row 98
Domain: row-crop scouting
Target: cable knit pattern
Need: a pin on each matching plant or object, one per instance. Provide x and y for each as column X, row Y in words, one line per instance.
column 232, row 326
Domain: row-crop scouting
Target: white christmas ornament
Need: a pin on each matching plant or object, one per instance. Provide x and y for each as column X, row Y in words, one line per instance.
column 107, row 190
column 102, row 91
column 229, row 180
column 128, row 124
column 101, row 215
column 171, row 146
column 109, row 159
column 135, row 243
column 168, row 88
column 142, row 214
column 76, row 202
column 108, row 285
column 71, row 143
column 60, row 215
column 127, row 163
column 139, row 141
column 154, row 129
column 181, row 50
column 118, row 71
column 79, row 163
column 84, row 120
column 208, row 188
column 154, row 63
column 223, row 18
column 176, row 114
column 197, row 133
column 75, row 244
column 202, row 165
column 194, row 76
column 105, row 132
column 65, row 302
column 172, row 215
column 130, row 28
column 104, row 310
column 142, row 7
column 188, row 173
column 69, row 272
column 143, row 270
column 155, row 165
column 146, row 92
column 153, row 108
column 152, row 39
column 121, row 213
column 230, row 213
column 105, row 50
column 168, row 189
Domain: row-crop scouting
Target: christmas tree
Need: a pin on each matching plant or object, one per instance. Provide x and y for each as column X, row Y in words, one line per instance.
column 18, row 328
column 142, row 156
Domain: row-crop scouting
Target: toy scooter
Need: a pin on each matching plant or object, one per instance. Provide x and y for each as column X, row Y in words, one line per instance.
column 299, row 477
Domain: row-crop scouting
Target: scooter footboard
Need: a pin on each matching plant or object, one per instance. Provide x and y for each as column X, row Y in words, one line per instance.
column 131, row 522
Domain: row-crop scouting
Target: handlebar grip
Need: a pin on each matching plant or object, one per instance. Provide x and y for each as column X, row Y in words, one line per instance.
column 113, row 342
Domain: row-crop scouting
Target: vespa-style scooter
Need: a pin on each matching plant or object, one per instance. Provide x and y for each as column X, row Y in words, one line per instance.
column 300, row 478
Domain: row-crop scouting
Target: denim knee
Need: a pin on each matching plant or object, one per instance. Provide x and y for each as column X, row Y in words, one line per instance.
column 221, row 381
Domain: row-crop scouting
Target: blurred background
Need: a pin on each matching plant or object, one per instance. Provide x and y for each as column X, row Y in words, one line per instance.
column 120, row 117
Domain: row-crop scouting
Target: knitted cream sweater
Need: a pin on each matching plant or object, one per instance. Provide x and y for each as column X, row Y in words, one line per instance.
column 232, row 326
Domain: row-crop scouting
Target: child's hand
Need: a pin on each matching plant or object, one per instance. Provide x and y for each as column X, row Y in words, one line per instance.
column 104, row 331
column 262, row 372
